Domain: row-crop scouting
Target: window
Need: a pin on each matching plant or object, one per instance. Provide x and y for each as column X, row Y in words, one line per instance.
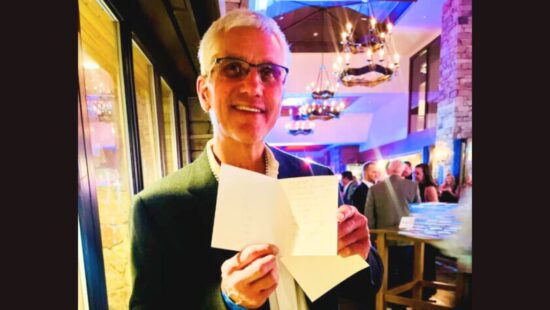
column 108, row 139
column 147, row 116
column 424, row 87
column 183, row 134
column 170, row 154
column 82, row 289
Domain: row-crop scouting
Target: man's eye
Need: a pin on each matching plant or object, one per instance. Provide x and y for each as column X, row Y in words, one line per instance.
column 234, row 69
column 269, row 72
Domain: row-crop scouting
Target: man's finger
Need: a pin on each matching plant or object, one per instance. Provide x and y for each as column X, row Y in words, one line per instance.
column 356, row 235
column 251, row 252
column 360, row 248
column 345, row 211
column 266, row 281
column 258, row 268
column 351, row 224
column 243, row 258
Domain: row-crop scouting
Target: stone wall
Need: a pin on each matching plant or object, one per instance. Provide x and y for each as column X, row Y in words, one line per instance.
column 454, row 114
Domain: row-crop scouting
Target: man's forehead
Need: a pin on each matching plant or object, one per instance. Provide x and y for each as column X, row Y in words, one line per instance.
column 250, row 44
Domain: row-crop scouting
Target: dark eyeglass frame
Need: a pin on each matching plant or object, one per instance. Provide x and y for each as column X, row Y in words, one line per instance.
column 220, row 59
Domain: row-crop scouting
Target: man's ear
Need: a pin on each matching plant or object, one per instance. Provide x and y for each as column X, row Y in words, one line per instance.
column 203, row 93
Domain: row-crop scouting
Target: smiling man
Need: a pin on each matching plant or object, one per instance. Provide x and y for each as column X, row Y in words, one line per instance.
column 244, row 58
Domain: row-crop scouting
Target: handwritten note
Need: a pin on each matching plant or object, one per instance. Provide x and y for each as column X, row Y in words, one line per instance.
column 312, row 202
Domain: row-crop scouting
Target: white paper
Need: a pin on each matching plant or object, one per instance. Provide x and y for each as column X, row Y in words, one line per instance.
column 297, row 214
column 318, row 274
column 407, row 222
column 312, row 203
column 242, row 218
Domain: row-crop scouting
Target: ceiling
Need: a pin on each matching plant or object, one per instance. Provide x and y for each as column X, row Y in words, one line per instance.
column 315, row 26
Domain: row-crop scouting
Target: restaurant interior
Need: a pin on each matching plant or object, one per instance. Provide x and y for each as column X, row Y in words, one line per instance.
column 370, row 80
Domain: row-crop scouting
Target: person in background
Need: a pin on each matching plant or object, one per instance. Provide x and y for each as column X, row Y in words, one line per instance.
column 428, row 193
column 243, row 58
column 448, row 191
column 349, row 185
column 387, row 202
column 407, row 173
column 370, row 177
column 426, row 184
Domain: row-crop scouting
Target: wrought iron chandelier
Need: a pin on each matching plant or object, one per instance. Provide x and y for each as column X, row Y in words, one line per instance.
column 321, row 106
column 300, row 127
column 377, row 46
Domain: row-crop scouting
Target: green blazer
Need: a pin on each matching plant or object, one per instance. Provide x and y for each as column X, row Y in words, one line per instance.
column 173, row 264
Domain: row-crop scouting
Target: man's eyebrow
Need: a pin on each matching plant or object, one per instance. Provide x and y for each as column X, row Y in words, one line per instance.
column 241, row 58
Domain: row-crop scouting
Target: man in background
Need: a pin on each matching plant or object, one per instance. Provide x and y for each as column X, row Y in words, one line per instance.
column 387, row 202
column 407, row 172
column 349, row 185
column 370, row 177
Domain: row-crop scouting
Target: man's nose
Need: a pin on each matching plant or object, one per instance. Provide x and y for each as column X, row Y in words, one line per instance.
column 252, row 83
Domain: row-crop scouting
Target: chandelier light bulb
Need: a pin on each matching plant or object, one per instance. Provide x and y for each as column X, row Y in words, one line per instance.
column 348, row 57
column 369, row 54
column 373, row 22
column 389, row 26
column 396, row 58
column 348, row 26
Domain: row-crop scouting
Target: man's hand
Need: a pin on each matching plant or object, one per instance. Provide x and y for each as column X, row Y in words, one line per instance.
column 249, row 277
column 353, row 232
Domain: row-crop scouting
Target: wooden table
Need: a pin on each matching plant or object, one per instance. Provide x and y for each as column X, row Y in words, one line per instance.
column 384, row 295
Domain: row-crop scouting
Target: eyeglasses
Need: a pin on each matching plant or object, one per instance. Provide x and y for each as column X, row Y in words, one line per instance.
column 237, row 69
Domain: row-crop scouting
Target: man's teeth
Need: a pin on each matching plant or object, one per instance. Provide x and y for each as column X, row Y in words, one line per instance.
column 248, row 109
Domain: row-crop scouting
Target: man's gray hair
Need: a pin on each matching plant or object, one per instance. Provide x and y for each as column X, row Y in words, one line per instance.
column 233, row 19
column 396, row 167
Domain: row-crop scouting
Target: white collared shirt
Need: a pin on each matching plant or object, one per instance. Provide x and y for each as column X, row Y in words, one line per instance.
column 272, row 168
column 368, row 184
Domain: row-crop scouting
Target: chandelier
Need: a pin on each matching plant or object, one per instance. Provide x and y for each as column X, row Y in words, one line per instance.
column 375, row 44
column 321, row 106
column 101, row 106
column 300, row 128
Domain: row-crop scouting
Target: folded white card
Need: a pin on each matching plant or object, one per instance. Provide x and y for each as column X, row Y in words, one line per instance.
column 318, row 274
column 296, row 214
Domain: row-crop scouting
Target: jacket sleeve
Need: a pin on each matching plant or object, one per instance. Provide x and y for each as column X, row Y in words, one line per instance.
column 370, row 211
column 146, row 261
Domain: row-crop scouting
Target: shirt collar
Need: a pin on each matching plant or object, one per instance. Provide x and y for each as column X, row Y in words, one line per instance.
column 272, row 163
column 369, row 184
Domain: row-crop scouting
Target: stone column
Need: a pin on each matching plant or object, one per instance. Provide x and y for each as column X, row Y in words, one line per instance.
column 454, row 111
